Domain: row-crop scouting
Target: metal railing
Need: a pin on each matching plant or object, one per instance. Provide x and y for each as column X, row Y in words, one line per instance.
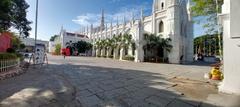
column 6, row 65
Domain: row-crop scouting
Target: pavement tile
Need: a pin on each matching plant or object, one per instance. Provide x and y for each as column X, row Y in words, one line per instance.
column 178, row 103
column 107, row 87
column 159, row 101
column 143, row 104
column 190, row 101
column 90, row 101
column 84, row 93
column 131, row 88
column 95, row 90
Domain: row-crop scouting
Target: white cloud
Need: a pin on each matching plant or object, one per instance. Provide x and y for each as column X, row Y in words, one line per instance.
column 114, row 1
column 127, row 12
column 87, row 19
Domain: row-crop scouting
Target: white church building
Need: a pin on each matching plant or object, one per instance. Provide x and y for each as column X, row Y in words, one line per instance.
column 66, row 37
column 169, row 18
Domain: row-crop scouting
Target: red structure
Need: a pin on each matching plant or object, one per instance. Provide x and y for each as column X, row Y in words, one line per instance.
column 5, row 41
column 66, row 51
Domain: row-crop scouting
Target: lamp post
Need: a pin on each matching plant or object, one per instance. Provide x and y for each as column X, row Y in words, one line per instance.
column 219, row 37
column 36, row 24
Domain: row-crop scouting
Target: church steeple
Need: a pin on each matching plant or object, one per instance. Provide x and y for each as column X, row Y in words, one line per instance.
column 102, row 21
column 154, row 6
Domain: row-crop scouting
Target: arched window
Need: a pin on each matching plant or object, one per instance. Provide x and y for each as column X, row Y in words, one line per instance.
column 162, row 6
column 161, row 27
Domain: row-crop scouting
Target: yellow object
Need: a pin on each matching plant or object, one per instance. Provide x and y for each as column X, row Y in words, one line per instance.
column 216, row 74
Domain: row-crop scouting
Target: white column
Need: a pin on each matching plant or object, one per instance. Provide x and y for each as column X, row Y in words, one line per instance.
column 111, row 28
column 93, row 52
column 97, row 52
column 109, row 52
column 122, row 53
column 231, row 47
column 115, row 53
column 103, row 52
column 139, row 53
column 130, row 50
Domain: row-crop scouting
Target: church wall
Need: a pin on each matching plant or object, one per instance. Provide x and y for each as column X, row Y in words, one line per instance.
column 171, row 17
column 148, row 27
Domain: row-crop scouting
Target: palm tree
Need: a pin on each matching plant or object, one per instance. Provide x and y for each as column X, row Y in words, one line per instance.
column 116, row 44
column 110, row 46
column 126, row 41
column 98, row 46
column 165, row 44
column 103, row 47
column 154, row 43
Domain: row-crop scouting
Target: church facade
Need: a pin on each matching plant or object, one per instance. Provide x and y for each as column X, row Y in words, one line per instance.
column 169, row 18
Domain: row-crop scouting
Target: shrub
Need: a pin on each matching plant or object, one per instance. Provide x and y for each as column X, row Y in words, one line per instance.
column 111, row 56
column 128, row 57
column 58, row 49
column 6, row 56
column 117, row 57
column 20, row 56
column 22, row 46
column 104, row 56
column 10, row 50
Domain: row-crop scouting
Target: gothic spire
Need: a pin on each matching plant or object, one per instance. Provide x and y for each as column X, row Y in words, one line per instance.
column 117, row 21
column 154, row 6
column 132, row 16
column 102, row 20
column 142, row 14
column 111, row 24
column 124, row 20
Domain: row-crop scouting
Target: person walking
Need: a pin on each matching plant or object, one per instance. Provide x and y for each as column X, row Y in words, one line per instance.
column 64, row 54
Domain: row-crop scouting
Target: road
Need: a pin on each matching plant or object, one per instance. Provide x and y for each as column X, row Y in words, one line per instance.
column 101, row 82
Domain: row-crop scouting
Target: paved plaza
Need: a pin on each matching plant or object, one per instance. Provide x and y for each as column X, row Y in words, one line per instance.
column 99, row 82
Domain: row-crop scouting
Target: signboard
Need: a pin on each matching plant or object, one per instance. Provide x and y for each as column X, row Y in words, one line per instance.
column 39, row 54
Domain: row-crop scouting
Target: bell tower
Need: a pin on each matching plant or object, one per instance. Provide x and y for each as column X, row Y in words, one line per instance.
column 174, row 20
column 159, row 5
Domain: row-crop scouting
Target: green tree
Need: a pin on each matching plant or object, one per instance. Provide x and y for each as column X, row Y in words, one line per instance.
column 82, row 46
column 97, row 44
column 13, row 13
column 154, row 43
column 22, row 46
column 5, row 17
column 58, row 49
column 126, row 40
column 207, row 10
column 109, row 43
column 116, row 41
column 53, row 37
column 207, row 44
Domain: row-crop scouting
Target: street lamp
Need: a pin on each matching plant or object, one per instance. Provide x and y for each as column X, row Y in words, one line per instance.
column 36, row 24
column 219, row 37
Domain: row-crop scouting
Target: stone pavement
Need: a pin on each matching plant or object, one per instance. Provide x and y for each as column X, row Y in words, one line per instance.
column 97, row 82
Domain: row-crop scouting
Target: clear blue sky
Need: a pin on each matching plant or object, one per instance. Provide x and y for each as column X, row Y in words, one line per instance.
column 76, row 14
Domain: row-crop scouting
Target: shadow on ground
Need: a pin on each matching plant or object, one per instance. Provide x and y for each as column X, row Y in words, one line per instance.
column 68, row 85
column 199, row 63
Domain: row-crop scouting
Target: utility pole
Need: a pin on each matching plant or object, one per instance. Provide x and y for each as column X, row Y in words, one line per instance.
column 219, row 35
column 36, row 24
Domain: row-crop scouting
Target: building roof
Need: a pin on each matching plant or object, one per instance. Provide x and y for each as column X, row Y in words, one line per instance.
column 31, row 41
column 76, row 34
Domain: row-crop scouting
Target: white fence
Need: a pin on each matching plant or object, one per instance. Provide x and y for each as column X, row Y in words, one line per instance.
column 6, row 65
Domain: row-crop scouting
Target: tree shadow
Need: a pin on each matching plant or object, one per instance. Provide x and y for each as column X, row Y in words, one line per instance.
column 198, row 63
column 89, row 86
